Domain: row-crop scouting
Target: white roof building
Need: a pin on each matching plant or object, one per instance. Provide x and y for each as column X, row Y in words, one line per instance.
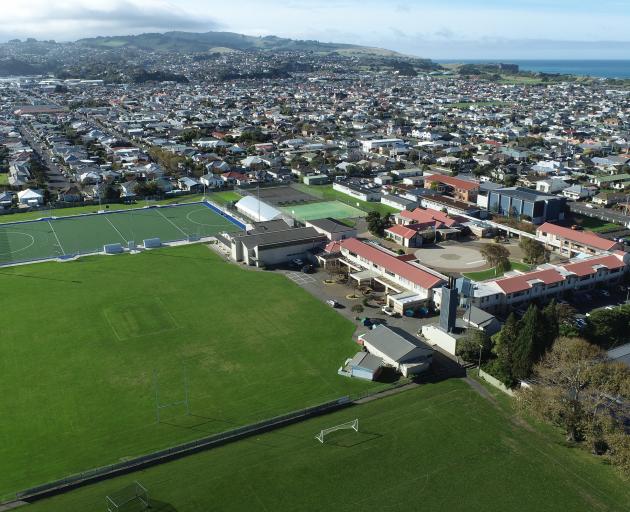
column 257, row 210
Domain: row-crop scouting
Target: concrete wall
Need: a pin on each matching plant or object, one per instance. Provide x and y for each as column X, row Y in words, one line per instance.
column 436, row 336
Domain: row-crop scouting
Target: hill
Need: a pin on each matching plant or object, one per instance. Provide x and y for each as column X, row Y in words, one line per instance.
column 187, row 42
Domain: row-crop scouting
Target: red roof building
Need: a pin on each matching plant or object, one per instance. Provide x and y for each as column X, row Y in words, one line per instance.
column 462, row 190
column 570, row 241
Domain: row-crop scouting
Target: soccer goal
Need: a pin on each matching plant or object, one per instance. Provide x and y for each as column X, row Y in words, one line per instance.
column 350, row 425
column 135, row 493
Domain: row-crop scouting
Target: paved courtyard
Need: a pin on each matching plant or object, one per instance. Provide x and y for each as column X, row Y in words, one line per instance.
column 452, row 256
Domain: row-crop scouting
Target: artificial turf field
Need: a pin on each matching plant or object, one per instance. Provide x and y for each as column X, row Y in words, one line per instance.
column 334, row 209
column 440, row 447
column 67, row 236
column 80, row 340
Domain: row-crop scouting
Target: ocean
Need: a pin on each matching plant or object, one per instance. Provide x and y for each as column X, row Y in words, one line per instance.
column 595, row 68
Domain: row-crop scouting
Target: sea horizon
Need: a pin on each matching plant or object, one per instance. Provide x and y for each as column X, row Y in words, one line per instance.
column 599, row 68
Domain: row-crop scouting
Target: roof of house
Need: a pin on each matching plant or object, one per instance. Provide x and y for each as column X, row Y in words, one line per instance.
column 406, row 232
column 428, row 216
column 527, row 280
column 588, row 267
column 395, row 346
column 620, row 354
column 366, row 361
column 402, row 268
column 583, row 237
column 280, row 238
column 453, row 181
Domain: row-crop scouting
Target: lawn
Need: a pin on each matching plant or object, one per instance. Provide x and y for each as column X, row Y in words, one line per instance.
column 224, row 197
column 4, row 179
column 440, row 447
column 595, row 225
column 493, row 273
column 78, row 210
column 327, row 193
column 81, row 340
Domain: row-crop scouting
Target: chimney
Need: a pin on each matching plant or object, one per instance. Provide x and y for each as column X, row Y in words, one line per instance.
column 448, row 308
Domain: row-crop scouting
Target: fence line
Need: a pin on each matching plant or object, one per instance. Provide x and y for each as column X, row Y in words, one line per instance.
column 182, row 450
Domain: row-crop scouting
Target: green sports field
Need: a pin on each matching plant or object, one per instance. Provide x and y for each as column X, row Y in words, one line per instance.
column 67, row 236
column 440, row 447
column 80, row 341
column 334, row 209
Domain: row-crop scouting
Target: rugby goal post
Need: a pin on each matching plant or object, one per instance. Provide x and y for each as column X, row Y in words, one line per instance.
column 350, row 425
column 133, row 493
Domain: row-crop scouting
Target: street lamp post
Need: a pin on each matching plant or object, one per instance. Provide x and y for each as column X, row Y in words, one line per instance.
column 479, row 367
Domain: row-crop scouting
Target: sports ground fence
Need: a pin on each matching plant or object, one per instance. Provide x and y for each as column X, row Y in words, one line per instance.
column 206, row 443
column 228, row 213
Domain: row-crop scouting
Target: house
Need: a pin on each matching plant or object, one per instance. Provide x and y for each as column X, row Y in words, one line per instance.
column 70, row 194
column 460, row 189
column 358, row 190
column 30, row 197
column 551, row 186
column 398, row 350
column 6, row 199
column 571, row 242
column 188, row 184
column 409, row 236
column 577, row 192
column 211, row 181
column 332, row 229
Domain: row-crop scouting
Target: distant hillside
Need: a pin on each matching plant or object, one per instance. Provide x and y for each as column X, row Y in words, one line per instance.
column 191, row 42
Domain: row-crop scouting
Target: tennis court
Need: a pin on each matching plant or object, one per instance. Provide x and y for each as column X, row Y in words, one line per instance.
column 334, row 209
column 84, row 234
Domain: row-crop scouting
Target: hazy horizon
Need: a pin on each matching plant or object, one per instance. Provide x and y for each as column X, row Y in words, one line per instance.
column 477, row 29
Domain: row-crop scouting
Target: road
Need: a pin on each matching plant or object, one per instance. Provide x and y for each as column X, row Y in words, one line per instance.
column 54, row 173
column 604, row 214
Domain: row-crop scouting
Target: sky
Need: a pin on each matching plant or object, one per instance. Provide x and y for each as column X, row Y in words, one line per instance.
column 437, row 29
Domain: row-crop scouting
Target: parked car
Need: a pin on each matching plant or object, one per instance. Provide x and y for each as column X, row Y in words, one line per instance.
column 332, row 303
column 307, row 269
column 389, row 311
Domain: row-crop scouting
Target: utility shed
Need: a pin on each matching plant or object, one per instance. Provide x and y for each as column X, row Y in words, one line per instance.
column 398, row 350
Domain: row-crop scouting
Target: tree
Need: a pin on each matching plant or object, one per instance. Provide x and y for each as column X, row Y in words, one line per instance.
column 468, row 347
column 496, row 255
column 563, row 377
column 535, row 252
column 609, row 327
column 551, row 324
column 504, row 342
column 357, row 308
column 378, row 224
column 530, row 343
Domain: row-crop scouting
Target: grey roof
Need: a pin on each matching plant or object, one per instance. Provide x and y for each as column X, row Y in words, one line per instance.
column 399, row 200
column 620, row 354
column 397, row 347
column 526, row 194
column 366, row 361
column 478, row 316
column 330, row 225
column 278, row 238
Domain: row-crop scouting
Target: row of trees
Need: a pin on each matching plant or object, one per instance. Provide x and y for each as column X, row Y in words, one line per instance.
column 511, row 354
column 377, row 223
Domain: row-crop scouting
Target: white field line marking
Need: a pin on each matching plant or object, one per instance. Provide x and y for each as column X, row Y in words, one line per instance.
column 116, row 229
column 175, row 225
column 476, row 262
column 57, row 238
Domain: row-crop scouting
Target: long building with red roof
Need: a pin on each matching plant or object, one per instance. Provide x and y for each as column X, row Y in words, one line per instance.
column 395, row 273
column 550, row 281
column 571, row 242
column 462, row 190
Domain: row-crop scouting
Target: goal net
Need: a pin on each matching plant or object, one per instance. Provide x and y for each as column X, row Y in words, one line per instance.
column 350, row 425
column 135, row 494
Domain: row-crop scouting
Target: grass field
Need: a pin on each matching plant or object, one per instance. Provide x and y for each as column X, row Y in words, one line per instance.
column 327, row 193
column 595, row 225
column 440, row 447
column 4, row 179
column 80, row 341
column 334, row 209
column 227, row 196
column 89, row 233
column 492, row 273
